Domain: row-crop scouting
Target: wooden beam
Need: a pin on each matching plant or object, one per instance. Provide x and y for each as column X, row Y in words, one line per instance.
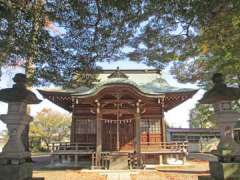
column 116, row 111
column 114, row 101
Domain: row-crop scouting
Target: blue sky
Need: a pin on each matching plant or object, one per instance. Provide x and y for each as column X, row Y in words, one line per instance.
column 177, row 117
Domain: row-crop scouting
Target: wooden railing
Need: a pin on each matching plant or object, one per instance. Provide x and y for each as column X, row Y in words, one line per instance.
column 67, row 146
column 174, row 146
column 105, row 159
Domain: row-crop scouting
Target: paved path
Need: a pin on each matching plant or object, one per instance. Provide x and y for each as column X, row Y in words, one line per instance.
column 118, row 176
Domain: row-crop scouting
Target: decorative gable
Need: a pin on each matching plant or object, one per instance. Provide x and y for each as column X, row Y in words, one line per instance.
column 118, row 74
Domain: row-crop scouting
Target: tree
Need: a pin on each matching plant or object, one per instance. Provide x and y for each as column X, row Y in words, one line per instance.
column 22, row 34
column 217, row 47
column 94, row 31
column 202, row 117
column 50, row 126
column 61, row 41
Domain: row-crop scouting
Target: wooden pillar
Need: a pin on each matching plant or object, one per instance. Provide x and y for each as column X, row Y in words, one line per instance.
column 163, row 129
column 137, row 140
column 98, row 136
column 161, row 159
column 58, row 157
column 163, row 124
column 118, row 141
column 73, row 130
column 137, row 143
column 75, row 160
column 184, row 158
column 52, row 160
column 69, row 158
column 73, row 124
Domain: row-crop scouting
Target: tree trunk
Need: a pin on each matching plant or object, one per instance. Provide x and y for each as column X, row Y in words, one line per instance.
column 29, row 66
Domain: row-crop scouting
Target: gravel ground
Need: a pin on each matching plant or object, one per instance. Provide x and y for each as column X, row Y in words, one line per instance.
column 68, row 175
column 190, row 171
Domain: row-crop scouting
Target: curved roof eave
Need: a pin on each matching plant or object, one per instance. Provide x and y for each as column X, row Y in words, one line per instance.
column 94, row 91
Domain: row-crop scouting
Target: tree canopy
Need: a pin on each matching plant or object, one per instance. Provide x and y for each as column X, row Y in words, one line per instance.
column 60, row 41
column 50, row 126
column 202, row 117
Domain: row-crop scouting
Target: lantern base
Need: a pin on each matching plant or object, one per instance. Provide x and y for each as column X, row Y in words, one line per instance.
column 224, row 171
column 21, row 171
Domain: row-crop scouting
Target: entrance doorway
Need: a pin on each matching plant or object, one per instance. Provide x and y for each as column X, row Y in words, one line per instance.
column 111, row 129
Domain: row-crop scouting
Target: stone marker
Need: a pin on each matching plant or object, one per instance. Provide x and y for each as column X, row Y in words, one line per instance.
column 228, row 152
column 15, row 161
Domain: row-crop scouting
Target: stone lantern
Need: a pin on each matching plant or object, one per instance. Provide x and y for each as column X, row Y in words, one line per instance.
column 14, row 159
column 228, row 152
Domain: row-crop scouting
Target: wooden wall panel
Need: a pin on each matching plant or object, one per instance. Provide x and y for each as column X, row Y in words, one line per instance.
column 85, row 138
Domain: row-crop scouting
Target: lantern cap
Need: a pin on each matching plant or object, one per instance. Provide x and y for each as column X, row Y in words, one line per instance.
column 19, row 92
column 220, row 91
column 237, row 125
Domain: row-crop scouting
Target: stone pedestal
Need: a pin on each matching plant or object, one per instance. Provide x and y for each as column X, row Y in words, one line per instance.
column 226, row 121
column 224, row 171
column 22, row 171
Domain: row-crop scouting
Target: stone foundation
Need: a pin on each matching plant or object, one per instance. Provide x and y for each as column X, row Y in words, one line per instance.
column 16, row 171
column 224, row 171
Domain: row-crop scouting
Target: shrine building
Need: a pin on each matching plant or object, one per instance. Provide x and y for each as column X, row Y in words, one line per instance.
column 122, row 115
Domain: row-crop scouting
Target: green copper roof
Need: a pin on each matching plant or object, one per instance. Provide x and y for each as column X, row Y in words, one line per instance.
column 156, row 87
column 148, row 83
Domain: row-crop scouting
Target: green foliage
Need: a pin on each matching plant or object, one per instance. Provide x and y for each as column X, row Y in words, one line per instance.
column 61, row 41
column 49, row 126
column 216, row 45
column 202, row 117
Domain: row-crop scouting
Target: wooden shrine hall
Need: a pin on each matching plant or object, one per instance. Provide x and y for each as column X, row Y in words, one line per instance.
column 121, row 117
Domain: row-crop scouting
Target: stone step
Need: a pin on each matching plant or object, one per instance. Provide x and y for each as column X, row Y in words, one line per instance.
column 119, row 162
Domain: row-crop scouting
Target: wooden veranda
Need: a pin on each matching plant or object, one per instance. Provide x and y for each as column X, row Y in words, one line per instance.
column 72, row 152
